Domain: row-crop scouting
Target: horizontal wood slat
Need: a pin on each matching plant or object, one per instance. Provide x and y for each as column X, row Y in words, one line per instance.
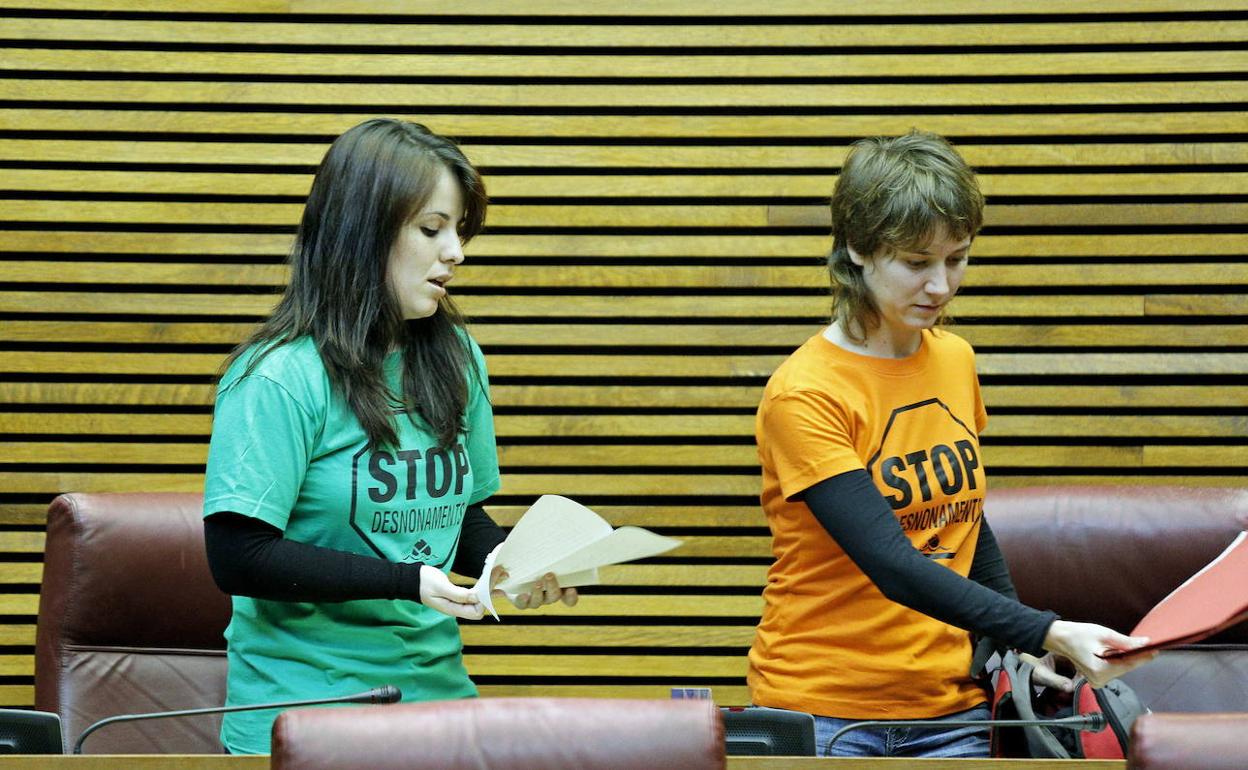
column 486, row 276
column 727, row 335
column 725, row 695
column 598, row 665
column 16, row 665
column 331, row 123
column 544, row 665
column 664, row 364
column 712, row 8
column 482, row 634
column 923, row 32
column 206, row 92
column 17, row 695
column 493, row 157
column 538, row 306
column 711, row 306
column 490, row 9
column 623, row 215
column 806, row 247
column 20, row 635
column 19, row 604
column 1049, row 214
column 555, row 185
column 580, row 457
column 681, row 397
column 584, row 485
column 20, row 573
column 703, row 516
column 361, row 65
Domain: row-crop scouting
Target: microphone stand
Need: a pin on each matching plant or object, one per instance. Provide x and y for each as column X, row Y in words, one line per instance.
column 387, row 694
column 1093, row 723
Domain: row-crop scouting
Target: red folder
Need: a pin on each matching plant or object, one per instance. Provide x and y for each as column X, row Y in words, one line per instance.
column 1213, row 599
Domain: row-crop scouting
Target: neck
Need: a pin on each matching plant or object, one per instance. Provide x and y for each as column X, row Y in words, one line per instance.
column 878, row 343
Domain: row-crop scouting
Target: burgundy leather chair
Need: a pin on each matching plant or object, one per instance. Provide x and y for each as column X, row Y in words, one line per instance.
column 1107, row 554
column 510, row 733
column 1162, row 741
column 130, row 621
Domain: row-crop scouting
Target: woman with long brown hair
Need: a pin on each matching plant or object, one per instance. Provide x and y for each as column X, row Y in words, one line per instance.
column 353, row 444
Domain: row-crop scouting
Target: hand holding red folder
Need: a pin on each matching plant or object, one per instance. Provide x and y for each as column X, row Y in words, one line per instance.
column 1213, row 599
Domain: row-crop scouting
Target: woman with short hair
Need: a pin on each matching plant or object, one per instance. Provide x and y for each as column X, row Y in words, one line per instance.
column 873, row 482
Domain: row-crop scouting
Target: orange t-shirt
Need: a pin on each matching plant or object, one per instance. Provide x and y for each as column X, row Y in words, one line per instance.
column 829, row 643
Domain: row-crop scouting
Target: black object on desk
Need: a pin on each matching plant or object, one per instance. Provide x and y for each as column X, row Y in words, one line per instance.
column 24, row 731
column 758, row 731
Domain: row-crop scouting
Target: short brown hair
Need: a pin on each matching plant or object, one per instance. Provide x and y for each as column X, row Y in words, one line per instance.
column 891, row 194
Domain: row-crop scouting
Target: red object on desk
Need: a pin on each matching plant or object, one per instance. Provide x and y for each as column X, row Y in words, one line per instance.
column 1213, row 599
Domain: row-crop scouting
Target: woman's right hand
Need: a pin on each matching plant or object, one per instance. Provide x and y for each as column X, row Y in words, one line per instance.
column 437, row 591
column 1083, row 644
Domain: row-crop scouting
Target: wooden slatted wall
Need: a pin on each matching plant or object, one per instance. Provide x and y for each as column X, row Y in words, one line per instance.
column 659, row 172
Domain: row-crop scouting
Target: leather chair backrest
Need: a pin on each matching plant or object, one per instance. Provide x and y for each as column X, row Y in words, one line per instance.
column 1107, row 554
column 1161, row 741
column 130, row 621
column 504, row 733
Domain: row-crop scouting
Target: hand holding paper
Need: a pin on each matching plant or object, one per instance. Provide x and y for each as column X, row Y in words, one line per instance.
column 562, row 537
column 1213, row 599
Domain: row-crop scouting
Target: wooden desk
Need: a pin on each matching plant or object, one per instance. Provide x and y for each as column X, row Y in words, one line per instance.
column 261, row 762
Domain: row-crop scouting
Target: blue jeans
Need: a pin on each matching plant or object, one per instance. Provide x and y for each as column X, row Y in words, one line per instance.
column 959, row 742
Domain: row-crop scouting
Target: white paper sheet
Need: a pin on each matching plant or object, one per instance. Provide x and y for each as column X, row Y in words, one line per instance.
column 482, row 587
column 564, row 537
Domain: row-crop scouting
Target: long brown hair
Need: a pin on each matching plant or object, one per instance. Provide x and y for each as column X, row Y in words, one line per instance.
column 373, row 179
column 891, row 194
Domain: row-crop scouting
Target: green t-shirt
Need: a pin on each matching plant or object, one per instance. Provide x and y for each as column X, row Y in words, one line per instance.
column 288, row 450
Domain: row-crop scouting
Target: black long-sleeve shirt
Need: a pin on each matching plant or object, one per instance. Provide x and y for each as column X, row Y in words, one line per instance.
column 852, row 510
column 249, row 557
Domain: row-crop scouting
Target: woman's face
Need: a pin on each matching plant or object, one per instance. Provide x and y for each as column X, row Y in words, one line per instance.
column 426, row 251
column 910, row 288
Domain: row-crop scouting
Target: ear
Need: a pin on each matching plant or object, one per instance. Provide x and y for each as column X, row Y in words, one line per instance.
column 854, row 256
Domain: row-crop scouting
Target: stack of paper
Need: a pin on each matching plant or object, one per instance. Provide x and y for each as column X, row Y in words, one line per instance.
column 560, row 536
column 1213, row 599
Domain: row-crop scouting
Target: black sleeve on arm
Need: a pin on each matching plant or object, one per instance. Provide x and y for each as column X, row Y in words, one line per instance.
column 251, row 558
column 989, row 568
column 856, row 515
column 478, row 536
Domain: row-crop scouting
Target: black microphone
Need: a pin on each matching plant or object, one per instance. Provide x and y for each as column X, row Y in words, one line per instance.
column 384, row 694
column 1093, row 722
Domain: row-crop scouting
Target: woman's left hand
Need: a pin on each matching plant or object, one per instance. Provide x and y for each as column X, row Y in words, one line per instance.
column 1045, row 672
column 544, row 591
